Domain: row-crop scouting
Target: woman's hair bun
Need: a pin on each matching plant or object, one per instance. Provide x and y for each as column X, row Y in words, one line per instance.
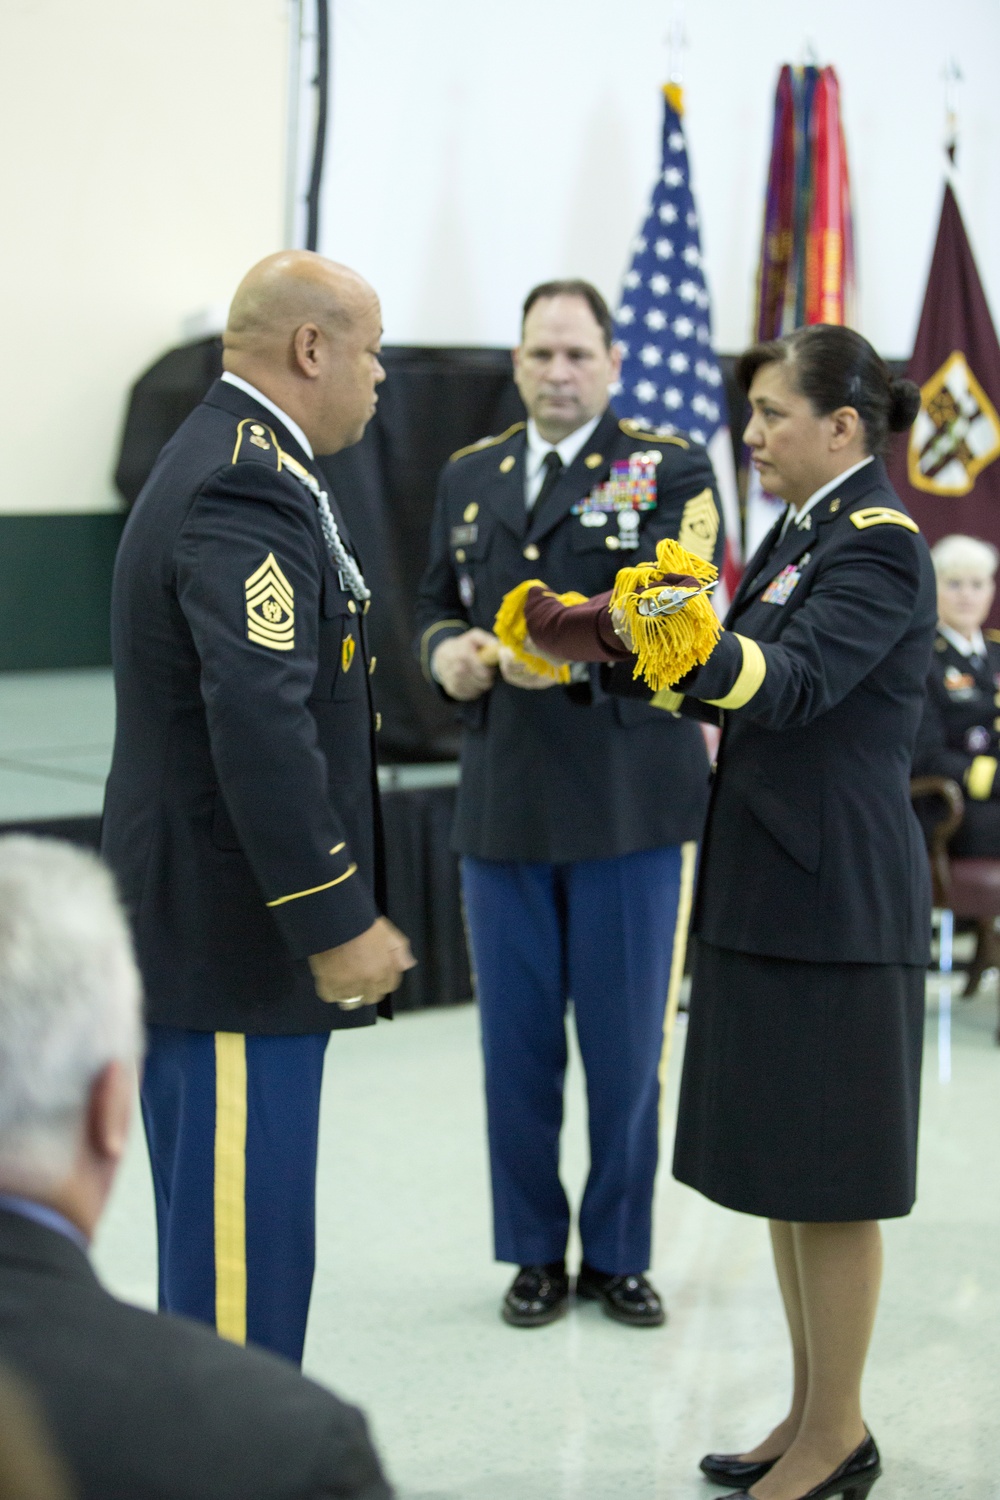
column 904, row 403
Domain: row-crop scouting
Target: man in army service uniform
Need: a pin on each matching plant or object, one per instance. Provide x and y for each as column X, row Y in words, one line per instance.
column 241, row 815
column 576, row 815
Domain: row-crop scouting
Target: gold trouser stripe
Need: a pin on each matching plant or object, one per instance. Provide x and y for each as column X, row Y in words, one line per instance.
column 980, row 776
column 280, row 901
column 667, row 699
column 230, row 1185
column 752, row 674
column 688, row 856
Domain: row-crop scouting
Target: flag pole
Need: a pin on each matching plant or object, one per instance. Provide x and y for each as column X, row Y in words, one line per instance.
column 952, row 75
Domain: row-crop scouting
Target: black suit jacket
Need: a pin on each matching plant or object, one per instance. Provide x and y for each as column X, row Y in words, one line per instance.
column 566, row 773
column 145, row 1405
column 812, row 849
column 241, row 814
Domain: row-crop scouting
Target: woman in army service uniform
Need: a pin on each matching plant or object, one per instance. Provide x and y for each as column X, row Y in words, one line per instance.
column 802, row 1065
column 958, row 733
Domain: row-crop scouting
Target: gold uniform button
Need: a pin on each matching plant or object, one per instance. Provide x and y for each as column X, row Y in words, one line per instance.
column 531, row 552
column 593, row 460
column 371, row 665
column 257, row 430
column 378, row 722
column 352, row 606
column 612, row 543
column 470, row 512
column 507, row 463
column 460, row 554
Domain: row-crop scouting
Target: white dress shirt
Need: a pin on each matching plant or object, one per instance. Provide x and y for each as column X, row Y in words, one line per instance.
column 976, row 646
column 293, row 427
column 534, row 470
column 799, row 516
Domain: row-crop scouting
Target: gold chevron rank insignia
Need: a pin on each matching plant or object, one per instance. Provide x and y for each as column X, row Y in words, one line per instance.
column 347, row 649
column 270, row 607
column 700, row 525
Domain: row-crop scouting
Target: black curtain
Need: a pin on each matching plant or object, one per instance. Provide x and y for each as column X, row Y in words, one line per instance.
column 434, row 401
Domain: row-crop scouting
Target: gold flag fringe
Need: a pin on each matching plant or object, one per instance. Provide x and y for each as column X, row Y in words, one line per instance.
column 511, row 628
column 668, row 646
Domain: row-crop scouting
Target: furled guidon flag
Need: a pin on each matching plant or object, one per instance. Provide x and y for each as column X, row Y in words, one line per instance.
column 670, row 380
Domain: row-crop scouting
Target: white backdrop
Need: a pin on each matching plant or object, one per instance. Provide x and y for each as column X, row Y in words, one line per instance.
column 475, row 149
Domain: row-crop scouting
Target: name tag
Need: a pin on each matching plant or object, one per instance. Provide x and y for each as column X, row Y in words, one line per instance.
column 464, row 536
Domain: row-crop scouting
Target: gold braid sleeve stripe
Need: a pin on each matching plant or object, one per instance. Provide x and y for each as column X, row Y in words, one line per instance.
column 667, row 699
column 980, row 776
column 428, row 636
column 295, row 896
column 752, row 674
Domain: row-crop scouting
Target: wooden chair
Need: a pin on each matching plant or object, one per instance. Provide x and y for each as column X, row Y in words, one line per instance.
column 968, row 887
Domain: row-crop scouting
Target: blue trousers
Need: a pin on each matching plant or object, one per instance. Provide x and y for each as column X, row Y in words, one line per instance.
column 232, row 1124
column 600, row 934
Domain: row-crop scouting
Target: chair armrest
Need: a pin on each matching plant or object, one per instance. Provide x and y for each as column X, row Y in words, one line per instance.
column 950, row 793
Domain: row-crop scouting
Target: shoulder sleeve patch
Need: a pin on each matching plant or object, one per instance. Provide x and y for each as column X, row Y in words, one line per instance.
column 270, row 601
column 254, row 440
column 642, row 434
column 881, row 515
column 486, row 442
column 700, row 525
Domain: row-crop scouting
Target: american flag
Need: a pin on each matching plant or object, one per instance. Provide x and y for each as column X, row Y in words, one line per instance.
column 670, row 378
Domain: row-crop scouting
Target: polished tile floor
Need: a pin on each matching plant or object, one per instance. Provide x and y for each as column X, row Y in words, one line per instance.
column 404, row 1316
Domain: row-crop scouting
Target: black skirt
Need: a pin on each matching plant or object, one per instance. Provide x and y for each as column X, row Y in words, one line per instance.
column 801, row 1086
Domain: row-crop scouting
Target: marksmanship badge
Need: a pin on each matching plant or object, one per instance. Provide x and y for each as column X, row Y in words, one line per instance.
column 956, row 434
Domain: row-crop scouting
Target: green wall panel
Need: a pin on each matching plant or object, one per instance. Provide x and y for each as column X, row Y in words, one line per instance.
column 55, row 590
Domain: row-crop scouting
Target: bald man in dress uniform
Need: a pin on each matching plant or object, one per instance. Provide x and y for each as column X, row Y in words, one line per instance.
column 576, row 815
column 241, row 814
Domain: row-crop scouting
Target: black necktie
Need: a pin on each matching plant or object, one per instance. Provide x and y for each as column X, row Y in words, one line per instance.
column 553, row 466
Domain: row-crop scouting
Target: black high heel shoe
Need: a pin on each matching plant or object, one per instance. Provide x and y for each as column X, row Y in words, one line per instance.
column 729, row 1468
column 853, row 1479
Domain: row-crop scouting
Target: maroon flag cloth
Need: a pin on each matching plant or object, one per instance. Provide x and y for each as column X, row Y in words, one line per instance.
column 572, row 632
column 945, row 468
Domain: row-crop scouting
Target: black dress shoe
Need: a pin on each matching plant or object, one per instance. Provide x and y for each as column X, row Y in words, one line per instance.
column 729, row 1468
column 853, row 1479
column 537, row 1295
column 627, row 1299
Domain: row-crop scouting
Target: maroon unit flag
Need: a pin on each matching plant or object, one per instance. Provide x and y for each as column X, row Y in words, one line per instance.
column 945, row 469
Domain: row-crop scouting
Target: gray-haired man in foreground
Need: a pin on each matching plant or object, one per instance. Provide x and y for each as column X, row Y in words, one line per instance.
column 139, row 1404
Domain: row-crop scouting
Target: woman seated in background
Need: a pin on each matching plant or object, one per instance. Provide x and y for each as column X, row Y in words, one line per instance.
column 958, row 735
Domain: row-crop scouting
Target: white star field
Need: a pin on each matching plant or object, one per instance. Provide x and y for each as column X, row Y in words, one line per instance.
column 670, row 380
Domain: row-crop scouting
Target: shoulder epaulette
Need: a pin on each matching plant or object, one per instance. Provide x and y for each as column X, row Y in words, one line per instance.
column 486, row 442
column 633, row 430
column 992, row 635
column 254, row 440
column 881, row 515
